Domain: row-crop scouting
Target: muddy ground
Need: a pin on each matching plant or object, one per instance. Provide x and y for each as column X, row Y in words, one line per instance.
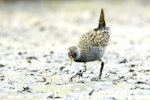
column 35, row 35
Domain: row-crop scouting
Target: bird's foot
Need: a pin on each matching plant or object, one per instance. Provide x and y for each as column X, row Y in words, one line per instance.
column 79, row 74
column 96, row 79
column 100, row 74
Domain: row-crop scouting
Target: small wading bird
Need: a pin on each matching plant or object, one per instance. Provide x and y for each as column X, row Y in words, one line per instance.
column 91, row 46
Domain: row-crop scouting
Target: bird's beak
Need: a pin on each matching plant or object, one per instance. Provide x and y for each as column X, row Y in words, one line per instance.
column 71, row 59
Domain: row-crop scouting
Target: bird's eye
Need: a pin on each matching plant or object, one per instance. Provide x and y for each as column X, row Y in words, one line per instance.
column 75, row 54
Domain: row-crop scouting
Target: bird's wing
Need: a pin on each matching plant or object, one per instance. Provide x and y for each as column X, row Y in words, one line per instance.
column 101, row 38
column 85, row 40
column 93, row 39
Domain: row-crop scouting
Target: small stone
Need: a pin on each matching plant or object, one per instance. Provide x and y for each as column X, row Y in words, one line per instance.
column 51, row 52
column 32, row 57
column 134, row 74
column 123, row 61
column 47, row 83
column 1, row 65
column 140, row 82
column 132, row 65
column 122, row 77
column 19, row 53
column 52, row 96
column 61, row 68
column 131, row 70
column 29, row 61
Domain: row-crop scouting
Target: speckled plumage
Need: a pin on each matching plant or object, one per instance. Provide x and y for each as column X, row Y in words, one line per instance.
column 91, row 46
column 94, row 39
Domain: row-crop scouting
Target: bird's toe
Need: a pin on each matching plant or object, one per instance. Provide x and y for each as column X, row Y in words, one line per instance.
column 79, row 74
column 95, row 79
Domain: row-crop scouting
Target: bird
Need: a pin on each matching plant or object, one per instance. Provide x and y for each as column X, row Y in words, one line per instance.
column 91, row 46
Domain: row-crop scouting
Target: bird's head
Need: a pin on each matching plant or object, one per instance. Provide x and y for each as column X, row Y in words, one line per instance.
column 73, row 53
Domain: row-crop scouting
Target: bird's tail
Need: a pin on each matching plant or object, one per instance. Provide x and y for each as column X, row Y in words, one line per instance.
column 101, row 23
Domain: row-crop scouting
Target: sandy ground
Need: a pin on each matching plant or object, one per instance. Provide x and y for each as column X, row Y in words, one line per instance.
column 34, row 37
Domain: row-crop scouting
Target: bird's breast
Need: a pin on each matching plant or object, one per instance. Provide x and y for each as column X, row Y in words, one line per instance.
column 95, row 53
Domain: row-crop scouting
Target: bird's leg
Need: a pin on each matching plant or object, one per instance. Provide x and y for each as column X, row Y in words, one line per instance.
column 80, row 73
column 70, row 80
column 101, row 69
column 85, row 67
